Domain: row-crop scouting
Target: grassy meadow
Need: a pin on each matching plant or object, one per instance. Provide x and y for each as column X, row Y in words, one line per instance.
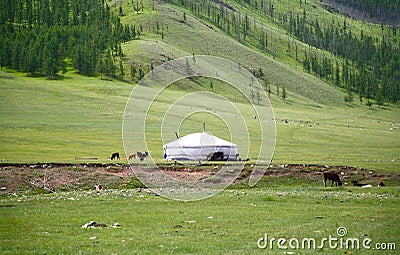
column 57, row 121
column 79, row 117
column 229, row 223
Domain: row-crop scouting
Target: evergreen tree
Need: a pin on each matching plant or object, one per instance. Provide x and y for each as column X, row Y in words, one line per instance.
column 337, row 74
column 101, row 67
column 379, row 97
column 348, row 99
column 121, row 69
column 48, row 32
column 133, row 71
column 50, row 58
column 284, row 94
column 141, row 73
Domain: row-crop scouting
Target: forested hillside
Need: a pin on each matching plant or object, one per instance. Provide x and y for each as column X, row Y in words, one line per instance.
column 357, row 60
column 48, row 36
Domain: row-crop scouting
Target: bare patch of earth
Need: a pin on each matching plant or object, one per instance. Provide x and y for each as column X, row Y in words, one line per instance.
column 16, row 178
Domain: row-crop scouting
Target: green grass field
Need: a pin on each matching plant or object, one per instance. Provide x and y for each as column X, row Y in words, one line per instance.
column 81, row 117
column 229, row 223
column 56, row 121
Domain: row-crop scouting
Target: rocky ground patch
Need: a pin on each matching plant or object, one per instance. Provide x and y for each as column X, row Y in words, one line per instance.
column 48, row 178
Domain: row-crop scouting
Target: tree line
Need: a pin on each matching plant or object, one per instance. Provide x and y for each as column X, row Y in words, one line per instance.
column 46, row 37
column 370, row 65
column 366, row 64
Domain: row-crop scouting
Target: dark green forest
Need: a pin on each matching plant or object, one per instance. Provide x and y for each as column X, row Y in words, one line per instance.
column 45, row 37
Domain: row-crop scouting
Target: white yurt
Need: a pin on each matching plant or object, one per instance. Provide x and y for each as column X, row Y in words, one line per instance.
column 200, row 147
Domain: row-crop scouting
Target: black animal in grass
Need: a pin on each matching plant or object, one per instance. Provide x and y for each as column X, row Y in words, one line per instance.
column 115, row 155
column 334, row 177
column 359, row 184
column 142, row 155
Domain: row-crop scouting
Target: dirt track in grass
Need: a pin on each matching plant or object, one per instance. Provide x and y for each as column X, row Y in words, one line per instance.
column 38, row 178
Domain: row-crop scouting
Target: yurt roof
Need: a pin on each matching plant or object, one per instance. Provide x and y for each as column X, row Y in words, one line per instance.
column 199, row 140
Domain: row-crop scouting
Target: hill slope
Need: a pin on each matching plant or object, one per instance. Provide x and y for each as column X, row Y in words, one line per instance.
column 80, row 116
column 193, row 36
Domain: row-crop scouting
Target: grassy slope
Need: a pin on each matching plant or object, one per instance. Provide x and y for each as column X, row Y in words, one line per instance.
column 338, row 137
column 59, row 120
column 284, row 44
column 81, row 117
column 43, row 122
column 194, row 37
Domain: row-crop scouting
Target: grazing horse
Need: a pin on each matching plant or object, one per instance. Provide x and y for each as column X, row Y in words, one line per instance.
column 142, row 155
column 334, row 177
column 133, row 155
column 115, row 155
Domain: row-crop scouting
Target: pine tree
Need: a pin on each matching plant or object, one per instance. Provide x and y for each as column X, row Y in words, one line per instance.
column 348, row 99
column 141, row 73
column 121, row 69
column 108, row 64
column 133, row 71
column 252, row 95
column 101, row 67
column 379, row 97
column 337, row 74
column 267, row 87
column 284, row 94
column 50, row 58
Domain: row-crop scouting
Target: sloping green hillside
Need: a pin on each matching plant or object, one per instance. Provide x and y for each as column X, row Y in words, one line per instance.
column 81, row 117
column 358, row 56
column 183, row 37
column 57, row 121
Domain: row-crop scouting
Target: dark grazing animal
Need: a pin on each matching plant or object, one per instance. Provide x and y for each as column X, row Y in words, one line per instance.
column 334, row 177
column 142, row 155
column 115, row 155
column 358, row 184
